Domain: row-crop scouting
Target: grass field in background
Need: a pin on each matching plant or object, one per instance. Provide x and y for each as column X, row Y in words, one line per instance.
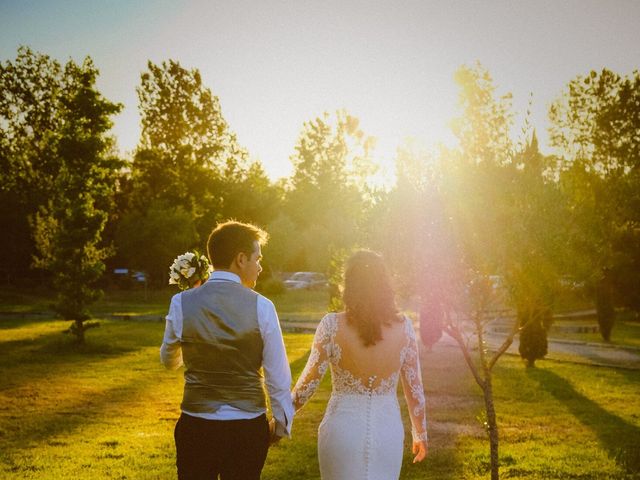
column 107, row 411
column 301, row 304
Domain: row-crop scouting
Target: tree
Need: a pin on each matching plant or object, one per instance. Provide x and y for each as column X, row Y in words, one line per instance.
column 283, row 247
column 30, row 87
column 152, row 238
column 68, row 227
column 248, row 195
column 185, row 142
column 483, row 130
column 594, row 125
column 329, row 194
column 533, row 335
column 503, row 224
column 182, row 119
column 477, row 169
column 512, row 221
column 411, row 225
column 185, row 153
column 473, row 303
column 535, row 246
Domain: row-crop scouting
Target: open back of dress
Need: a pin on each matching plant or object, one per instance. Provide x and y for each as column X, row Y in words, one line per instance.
column 361, row 435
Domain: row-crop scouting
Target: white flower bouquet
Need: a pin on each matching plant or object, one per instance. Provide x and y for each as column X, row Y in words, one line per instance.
column 189, row 270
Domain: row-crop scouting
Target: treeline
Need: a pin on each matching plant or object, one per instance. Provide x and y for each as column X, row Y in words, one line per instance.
column 492, row 206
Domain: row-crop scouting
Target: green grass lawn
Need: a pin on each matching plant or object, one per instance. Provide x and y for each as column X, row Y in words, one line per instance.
column 108, row 410
column 296, row 304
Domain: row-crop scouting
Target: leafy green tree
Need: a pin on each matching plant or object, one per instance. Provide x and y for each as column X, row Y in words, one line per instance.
column 533, row 335
column 189, row 163
column 506, row 222
column 186, row 150
column 185, row 143
column 474, row 189
column 483, row 130
column 29, row 90
column 284, row 245
column 249, row 195
column 511, row 222
column 182, row 119
column 329, row 191
column 152, row 238
column 594, row 125
column 68, row 227
column 627, row 273
column 534, row 246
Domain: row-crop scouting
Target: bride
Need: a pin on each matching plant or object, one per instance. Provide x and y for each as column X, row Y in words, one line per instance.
column 369, row 347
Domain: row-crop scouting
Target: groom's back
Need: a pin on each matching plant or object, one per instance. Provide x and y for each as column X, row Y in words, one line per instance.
column 222, row 348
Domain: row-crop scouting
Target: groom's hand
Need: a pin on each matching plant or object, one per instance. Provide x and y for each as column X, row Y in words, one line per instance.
column 420, row 451
column 273, row 438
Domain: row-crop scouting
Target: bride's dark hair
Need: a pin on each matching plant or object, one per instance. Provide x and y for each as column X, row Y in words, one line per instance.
column 368, row 296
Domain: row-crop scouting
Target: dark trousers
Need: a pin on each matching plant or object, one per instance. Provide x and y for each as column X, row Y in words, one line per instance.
column 233, row 449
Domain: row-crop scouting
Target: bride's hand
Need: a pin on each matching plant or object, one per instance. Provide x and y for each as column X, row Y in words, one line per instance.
column 420, row 451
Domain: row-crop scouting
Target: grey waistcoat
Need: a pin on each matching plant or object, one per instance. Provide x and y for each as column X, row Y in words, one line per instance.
column 221, row 348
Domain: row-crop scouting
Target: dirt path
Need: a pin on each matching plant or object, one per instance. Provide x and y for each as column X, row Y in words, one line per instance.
column 581, row 352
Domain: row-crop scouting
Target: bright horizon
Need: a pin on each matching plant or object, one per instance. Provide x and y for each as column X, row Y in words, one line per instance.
column 275, row 65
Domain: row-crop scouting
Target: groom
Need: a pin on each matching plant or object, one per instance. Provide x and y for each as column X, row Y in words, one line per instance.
column 224, row 333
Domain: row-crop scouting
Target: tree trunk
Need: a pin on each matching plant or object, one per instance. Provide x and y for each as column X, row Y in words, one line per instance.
column 492, row 427
column 78, row 331
column 604, row 307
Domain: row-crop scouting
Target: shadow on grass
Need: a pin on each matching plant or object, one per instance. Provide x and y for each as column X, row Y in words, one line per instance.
column 64, row 419
column 51, row 352
column 619, row 437
column 19, row 320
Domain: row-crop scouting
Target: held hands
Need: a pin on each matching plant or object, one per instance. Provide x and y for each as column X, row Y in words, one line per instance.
column 273, row 438
column 420, row 450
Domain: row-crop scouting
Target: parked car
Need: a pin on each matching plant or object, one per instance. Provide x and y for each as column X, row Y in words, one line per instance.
column 124, row 276
column 306, row 281
column 569, row 283
column 139, row 277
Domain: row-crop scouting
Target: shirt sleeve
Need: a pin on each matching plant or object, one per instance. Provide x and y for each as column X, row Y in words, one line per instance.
column 276, row 367
column 412, row 385
column 317, row 364
column 171, row 349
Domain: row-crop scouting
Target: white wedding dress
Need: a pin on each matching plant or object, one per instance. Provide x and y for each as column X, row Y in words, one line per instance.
column 361, row 435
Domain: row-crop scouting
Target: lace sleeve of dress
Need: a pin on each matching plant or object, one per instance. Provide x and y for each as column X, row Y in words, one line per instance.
column 412, row 385
column 317, row 363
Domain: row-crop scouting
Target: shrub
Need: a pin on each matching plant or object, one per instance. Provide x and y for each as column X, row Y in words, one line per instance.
column 533, row 339
column 271, row 286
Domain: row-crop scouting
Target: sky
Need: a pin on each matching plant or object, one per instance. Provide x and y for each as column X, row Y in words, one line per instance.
column 276, row 64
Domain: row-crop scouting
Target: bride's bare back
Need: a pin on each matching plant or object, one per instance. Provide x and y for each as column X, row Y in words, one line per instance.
column 365, row 370
column 379, row 361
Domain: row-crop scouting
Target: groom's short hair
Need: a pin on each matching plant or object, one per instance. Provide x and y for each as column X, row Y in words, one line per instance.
column 230, row 238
